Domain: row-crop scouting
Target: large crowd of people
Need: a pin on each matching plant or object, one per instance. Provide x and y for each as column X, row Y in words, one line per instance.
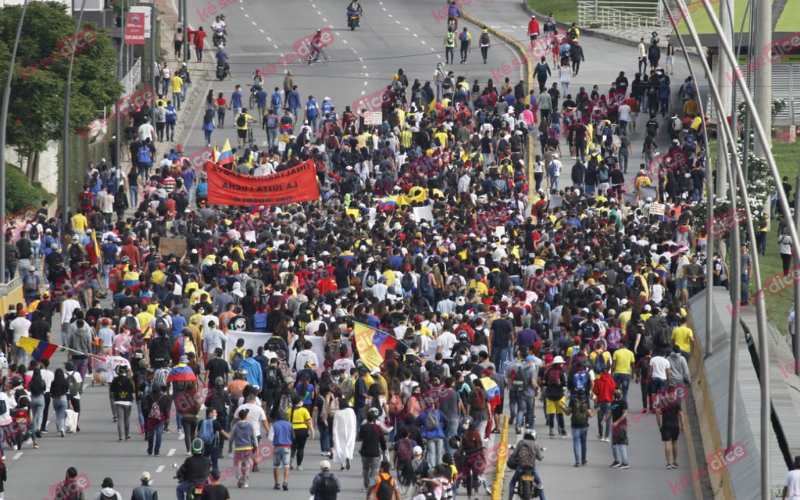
column 511, row 293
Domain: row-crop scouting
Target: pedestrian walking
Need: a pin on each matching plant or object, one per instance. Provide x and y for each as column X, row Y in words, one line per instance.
column 466, row 45
column 619, row 429
column 326, row 485
column 144, row 491
column 208, row 126
column 581, row 413
column 486, row 43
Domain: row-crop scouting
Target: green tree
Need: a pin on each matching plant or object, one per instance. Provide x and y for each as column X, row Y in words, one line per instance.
column 36, row 106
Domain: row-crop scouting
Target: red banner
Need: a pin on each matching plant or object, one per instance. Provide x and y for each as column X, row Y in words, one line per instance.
column 294, row 185
column 134, row 29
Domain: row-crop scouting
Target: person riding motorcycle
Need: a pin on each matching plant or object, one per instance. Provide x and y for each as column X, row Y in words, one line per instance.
column 220, row 25
column 355, row 9
column 529, row 442
column 453, row 13
column 222, row 60
column 194, row 471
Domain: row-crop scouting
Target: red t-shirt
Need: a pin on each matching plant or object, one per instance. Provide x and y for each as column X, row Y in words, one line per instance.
column 199, row 36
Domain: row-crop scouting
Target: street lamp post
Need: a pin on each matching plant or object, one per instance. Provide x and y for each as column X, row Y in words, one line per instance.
column 3, row 122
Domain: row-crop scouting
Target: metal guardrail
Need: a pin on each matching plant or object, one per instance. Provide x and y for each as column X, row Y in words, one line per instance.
column 622, row 15
column 133, row 77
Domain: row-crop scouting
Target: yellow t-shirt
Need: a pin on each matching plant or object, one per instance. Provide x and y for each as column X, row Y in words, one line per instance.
column 79, row 222
column 624, row 317
column 145, row 318
column 682, row 336
column 623, row 361
column 442, row 136
column 177, row 84
column 299, row 416
column 247, row 120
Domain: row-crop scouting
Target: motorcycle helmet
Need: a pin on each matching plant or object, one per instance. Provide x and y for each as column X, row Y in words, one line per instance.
column 197, row 446
column 122, row 370
column 463, row 336
column 373, row 413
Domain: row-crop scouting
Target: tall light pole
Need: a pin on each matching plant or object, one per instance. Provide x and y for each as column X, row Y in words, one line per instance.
column 116, row 104
column 3, row 122
column 65, row 164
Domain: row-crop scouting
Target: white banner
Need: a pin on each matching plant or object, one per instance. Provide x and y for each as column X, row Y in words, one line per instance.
column 254, row 340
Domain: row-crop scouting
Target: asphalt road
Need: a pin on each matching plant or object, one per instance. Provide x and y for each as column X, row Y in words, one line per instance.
column 392, row 35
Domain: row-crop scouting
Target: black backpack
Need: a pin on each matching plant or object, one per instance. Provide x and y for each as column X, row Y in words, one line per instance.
column 646, row 344
column 271, row 378
column 162, row 325
column 484, row 37
column 34, row 234
column 385, row 490
column 663, row 334
column 328, row 489
column 160, row 349
column 130, row 322
column 407, row 282
column 241, row 120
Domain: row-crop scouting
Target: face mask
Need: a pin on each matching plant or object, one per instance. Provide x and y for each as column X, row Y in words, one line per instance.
column 465, row 426
column 617, row 396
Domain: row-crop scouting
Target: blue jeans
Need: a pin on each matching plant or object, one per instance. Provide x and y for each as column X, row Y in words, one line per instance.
column 657, row 386
column 155, row 435
column 515, row 479
column 133, row 195
column 452, row 430
column 325, row 438
column 164, row 87
column 60, row 406
column 554, row 184
column 312, row 120
column 745, row 288
column 579, row 436
column 272, row 137
column 620, row 452
column 81, row 366
column 603, row 409
column 499, row 356
column 182, row 489
column 525, row 410
column 176, row 100
column 141, row 415
column 144, row 169
column 696, row 194
column 434, row 451
column 623, row 380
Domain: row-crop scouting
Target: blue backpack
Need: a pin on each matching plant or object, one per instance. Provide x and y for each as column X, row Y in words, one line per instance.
column 579, row 380
column 144, row 155
column 207, row 433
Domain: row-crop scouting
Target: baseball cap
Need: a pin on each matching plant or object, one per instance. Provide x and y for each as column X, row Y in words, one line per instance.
column 530, row 358
column 417, row 450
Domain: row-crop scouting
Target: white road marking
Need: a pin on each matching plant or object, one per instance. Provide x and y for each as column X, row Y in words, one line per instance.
column 324, row 20
column 408, row 29
column 261, row 30
column 269, row 39
column 423, row 42
column 246, row 15
column 16, row 456
column 275, row 46
column 366, row 75
column 171, row 452
column 254, row 23
column 364, row 67
column 363, row 92
column 398, row 22
column 160, row 469
column 416, row 36
column 365, row 84
column 345, row 41
column 361, row 59
column 390, row 15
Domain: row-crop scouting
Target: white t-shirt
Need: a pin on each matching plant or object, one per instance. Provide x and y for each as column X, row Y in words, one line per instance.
column 48, row 378
column 78, row 378
column 625, row 113
column 146, row 131
column 447, row 340
column 659, row 365
column 255, row 416
column 793, row 483
column 20, row 326
column 5, row 418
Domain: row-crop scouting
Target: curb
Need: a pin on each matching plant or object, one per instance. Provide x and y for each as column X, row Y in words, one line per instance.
column 500, row 470
column 529, row 73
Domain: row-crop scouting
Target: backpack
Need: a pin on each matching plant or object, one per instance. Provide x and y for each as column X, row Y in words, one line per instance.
column 272, row 121
column 31, row 283
column 271, row 376
column 238, row 357
column 161, row 376
column 432, row 419
column 260, row 322
column 207, row 433
column 480, row 400
column 328, row 488
column 405, row 451
column 348, row 388
column 525, row 455
column 451, row 38
column 663, row 334
column 407, row 282
column 241, row 121
column 553, row 377
column 549, row 26
column 447, row 83
column 395, row 405
column 332, row 143
column 552, row 169
column 34, row 233
column 161, row 325
column 599, row 362
column 103, row 496
column 688, row 89
column 579, row 380
column 541, row 69
column 384, row 489
column 3, row 407
column 602, row 174
column 484, row 38
column 651, row 126
column 273, row 344
column 646, row 343
column 677, row 125
column 145, row 155
column 463, row 36
column 155, row 411
column 580, row 414
column 518, row 384
column 332, row 350
column 74, row 386
column 371, row 280
column 425, row 283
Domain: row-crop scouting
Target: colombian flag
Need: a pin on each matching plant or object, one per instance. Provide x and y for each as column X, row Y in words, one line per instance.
column 387, row 203
column 181, row 373
column 491, row 390
column 372, row 344
column 38, row 349
column 226, row 155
